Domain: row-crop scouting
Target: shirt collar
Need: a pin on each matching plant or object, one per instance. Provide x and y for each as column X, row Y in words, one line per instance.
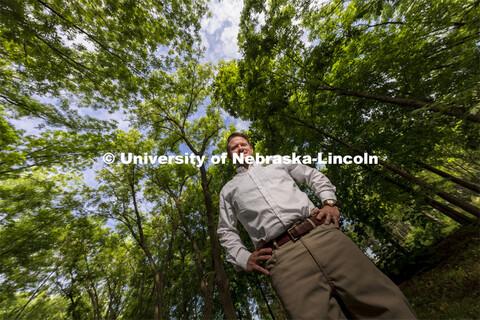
column 242, row 169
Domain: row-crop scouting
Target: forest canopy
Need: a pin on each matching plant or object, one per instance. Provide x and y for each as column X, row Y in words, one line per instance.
column 80, row 238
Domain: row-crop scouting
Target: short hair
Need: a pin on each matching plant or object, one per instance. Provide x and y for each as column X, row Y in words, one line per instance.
column 236, row 134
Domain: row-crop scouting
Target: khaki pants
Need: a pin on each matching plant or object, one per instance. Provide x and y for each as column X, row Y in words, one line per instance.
column 324, row 275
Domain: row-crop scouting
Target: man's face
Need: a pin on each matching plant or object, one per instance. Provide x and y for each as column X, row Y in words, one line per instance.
column 239, row 145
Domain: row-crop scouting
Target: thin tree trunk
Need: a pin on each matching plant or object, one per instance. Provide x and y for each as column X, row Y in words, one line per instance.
column 206, row 286
column 259, row 285
column 444, row 195
column 433, row 218
column 462, row 182
column 140, row 298
column 464, row 169
column 35, row 294
column 141, row 241
column 151, row 296
column 449, row 212
column 404, row 102
column 209, row 290
column 164, row 271
column 92, row 291
column 221, row 279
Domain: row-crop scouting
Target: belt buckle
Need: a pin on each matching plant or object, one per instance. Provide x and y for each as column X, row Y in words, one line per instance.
column 290, row 235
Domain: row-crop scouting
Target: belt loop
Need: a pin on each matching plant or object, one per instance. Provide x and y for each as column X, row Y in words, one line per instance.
column 275, row 244
column 312, row 223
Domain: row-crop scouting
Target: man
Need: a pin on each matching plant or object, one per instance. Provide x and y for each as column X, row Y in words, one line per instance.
column 317, row 271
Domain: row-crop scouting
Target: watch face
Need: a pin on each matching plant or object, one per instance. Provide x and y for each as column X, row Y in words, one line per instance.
column 331, row 202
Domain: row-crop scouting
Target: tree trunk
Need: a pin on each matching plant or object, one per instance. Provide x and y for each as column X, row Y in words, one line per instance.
column 444, row 195
column 159, row 298
column 462, row 182
column 404, row 102
column 141, row 241
column 221, row 279
column 259, row 286
column 463, row 169
column 207, row 290
column 163, row 273
column 34, row 295
column 206, row 285
column 449, row 212
column 140, row 298
column 91, row 288
column 433, row 218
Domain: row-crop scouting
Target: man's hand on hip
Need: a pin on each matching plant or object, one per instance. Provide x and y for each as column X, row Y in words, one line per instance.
column 329, row 213
column 258, row 256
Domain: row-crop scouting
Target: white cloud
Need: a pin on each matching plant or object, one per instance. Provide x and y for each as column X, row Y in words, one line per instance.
column 219, row 31
column 229, row 40
column 261, row 20
column 30, row 125
column 241, row 125
column 74, row 37
column 103, row 114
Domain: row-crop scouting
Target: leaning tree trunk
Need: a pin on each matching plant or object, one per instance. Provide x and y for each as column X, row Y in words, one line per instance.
column 449, row 212
column 462, row 182
column 405, row 102
column 444, row 195
column 163, row 273
column 402, row 102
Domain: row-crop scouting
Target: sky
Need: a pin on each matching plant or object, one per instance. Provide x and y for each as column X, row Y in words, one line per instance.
column 219, row 36
column 219, row 32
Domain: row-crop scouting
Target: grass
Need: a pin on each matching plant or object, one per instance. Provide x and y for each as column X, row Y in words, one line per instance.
column 450, row 290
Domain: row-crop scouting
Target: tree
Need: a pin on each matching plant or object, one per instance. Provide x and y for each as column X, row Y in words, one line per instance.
column 87, row 52
column 174, row 99
column 55, row 58
column 123, row 184
column 35, row 208
column 171, row 181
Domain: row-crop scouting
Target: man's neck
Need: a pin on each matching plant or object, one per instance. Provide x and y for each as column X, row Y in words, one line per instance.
column 244, row 167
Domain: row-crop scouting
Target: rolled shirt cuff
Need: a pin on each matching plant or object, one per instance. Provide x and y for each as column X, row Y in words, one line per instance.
column 327, row 195
column 242, row 259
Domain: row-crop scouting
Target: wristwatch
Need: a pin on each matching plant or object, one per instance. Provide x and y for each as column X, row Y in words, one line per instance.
column 330, row 203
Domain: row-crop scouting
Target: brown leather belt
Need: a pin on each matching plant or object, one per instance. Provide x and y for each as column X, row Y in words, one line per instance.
column 295, row 232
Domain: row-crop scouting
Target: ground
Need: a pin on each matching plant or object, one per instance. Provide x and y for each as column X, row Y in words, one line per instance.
column 451, row 289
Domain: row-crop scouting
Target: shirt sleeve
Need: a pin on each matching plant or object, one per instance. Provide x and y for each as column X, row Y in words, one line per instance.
column 237, row 252
column 316, row 180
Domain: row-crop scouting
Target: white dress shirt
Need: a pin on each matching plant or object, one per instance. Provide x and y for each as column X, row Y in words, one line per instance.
column 266, row 200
